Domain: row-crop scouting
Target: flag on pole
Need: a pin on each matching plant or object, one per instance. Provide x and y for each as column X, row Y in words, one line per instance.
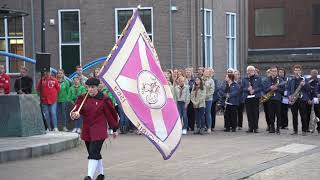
column 133, row 72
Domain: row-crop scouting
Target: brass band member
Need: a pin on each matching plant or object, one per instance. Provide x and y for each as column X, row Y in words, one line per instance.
column 231, row 103
column 314, row 83
column 299, row 96
column 285, row 100
column 251, row 88
column 266, row 104
column 274, row 88
column 241, row 99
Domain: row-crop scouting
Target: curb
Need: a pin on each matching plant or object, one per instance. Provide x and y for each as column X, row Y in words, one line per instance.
column 39, row 150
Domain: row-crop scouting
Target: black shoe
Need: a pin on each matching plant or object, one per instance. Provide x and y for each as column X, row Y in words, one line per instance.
column 294, row 133
column 100, row 177
column 268, row 129
column 255, row 131
column 249, row 131
column 233, row 130
column 304, row 133
column 227, row 130
column 278, row 131
column 87, row 178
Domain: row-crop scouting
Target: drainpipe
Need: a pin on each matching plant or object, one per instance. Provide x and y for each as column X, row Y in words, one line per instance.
column 203, row 37
column 170, row 34
column 33, row 43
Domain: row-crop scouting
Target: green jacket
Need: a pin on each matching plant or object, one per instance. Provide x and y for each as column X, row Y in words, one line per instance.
column 75, row 92
column 106, row 91
column 64, row 90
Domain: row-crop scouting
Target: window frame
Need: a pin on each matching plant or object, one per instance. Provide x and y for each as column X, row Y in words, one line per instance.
column 314, row 20
column 117, row 34
column 284, row 22
column 7, row 39
column 60, row 11
column 231, row 62
column 210, row 63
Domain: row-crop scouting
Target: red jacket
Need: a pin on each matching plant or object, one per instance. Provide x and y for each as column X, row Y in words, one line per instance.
column 98, row 115
column 50, row 89
column 5, row 83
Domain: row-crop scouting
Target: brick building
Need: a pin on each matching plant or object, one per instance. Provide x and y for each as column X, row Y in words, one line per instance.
column 78, row 31
column 284, row 33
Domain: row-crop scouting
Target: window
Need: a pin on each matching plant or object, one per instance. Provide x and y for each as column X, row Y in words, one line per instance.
column 231, row 40
column 269, row 22
column 316, row 18
column 69, row 40
column 12, row 41
column 122, row 15
column 208, row 37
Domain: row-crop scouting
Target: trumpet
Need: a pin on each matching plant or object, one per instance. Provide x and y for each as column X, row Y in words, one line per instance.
column 80, row 107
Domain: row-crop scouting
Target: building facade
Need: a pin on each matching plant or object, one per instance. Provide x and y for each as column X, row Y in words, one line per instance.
column 284, row 33
column 79, row 31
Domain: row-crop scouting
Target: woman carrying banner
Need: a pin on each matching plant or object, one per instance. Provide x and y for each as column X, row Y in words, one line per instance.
column 98, row 113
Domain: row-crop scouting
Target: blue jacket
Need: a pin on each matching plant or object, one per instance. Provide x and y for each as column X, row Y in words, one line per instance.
column 305, row 90
column 221, row 92
column 314, row 87
column 267, row 87
column 241, row 98
column 234, row 97
column 256, row 84
column 215, row 96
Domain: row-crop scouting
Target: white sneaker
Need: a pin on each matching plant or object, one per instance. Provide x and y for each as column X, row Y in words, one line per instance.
column 56, row 130
column 65, row 129
column 74, row 130
column 209, row 131
column 110, row 131
column 47, row 131
column 184, row 131
column 79, row 131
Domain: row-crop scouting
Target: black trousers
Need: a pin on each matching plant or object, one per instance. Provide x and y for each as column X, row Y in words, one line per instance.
column 284, row 115
column 213, row 114
column 316, row 111
column 94, row 149
column 231, row 117
column 308, row 114
column 252, row 108
column 300, row 106
column 266, row 112
column 274, row 109
column 191, row 116
column 240, row 114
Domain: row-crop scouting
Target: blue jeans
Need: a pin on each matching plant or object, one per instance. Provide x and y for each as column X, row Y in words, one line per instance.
column 199, row 113
column 183, row 113
column 50, row 114
column 63, row 109
column 208, row 114
column 78, row 122
column 124, row 121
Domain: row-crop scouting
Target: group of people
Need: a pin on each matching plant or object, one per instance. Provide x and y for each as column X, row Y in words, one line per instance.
column 199, row 96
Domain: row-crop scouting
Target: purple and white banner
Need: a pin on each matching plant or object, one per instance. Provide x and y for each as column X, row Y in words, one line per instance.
column 134, row 74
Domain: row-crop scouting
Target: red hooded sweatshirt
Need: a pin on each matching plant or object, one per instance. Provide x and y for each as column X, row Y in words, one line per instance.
column 50, row 89
column 5, row 83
